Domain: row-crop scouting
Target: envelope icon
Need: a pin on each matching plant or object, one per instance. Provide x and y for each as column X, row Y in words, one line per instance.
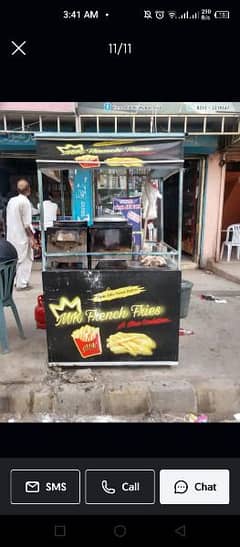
column 32, row 487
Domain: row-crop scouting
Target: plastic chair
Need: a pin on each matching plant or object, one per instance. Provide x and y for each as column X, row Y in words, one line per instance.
column 232, row 240
column 7, row 275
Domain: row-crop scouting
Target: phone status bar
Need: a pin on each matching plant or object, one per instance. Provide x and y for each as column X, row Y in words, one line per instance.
column 152, row 14
column 206, row 14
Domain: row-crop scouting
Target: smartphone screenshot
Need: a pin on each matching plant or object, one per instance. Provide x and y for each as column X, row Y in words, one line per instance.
column 119, row 274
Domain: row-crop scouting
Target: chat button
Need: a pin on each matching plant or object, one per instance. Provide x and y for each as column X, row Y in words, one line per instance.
column 194, row 486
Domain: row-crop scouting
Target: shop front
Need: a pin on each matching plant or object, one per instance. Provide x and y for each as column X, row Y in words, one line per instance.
column 193, row 191
column 18, row 160
column 111, row 283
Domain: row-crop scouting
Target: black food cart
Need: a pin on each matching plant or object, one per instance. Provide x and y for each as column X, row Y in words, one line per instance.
column 111, row 284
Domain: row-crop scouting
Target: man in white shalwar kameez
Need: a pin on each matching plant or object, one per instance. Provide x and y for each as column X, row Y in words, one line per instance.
column 20, row 233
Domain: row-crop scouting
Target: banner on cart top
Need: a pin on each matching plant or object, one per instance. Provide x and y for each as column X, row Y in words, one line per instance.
column 103, row 317
column 131, row 210
column 110, row 153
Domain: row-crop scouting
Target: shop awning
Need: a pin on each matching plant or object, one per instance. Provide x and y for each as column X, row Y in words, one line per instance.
column 110, row 151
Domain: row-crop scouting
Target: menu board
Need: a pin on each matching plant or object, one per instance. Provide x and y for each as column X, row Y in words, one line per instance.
column 112, row 317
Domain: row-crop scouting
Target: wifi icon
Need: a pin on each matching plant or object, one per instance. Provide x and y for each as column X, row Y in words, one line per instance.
column 172, row 14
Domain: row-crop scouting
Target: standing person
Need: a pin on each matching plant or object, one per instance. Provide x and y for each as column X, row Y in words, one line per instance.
column 20, row 232
column 150, row 195
column 50, row 210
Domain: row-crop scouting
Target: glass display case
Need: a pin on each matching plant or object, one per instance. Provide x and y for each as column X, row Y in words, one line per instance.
column 116, row 183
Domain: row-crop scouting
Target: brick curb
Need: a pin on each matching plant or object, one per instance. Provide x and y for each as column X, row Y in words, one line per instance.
column 215, row 397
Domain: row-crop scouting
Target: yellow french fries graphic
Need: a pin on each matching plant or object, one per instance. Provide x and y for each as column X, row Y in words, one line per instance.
column 86, row 333
column 133, row 343
column 87, row 340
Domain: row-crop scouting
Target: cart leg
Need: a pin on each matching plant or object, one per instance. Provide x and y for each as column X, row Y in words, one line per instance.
column 43, row 241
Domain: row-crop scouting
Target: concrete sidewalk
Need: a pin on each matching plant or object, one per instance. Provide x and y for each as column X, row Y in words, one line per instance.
column 206, row 380
column 227, row 270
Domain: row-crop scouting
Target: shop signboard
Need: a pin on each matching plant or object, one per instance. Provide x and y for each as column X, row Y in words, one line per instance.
column 158, row 108
column 112, row 317
column 131, row 210
column 17, row 141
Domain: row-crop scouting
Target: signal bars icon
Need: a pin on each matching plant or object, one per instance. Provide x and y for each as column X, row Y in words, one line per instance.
column 188, row 15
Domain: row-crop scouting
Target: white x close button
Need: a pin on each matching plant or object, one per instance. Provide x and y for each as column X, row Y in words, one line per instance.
column 18, row 48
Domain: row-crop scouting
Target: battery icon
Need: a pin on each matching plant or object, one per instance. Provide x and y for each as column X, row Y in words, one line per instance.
column 219, row 14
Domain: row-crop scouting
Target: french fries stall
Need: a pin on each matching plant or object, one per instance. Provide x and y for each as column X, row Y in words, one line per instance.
column 111, row 284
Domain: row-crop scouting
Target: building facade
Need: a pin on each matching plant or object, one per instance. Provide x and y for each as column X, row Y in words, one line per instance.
column 212, row 157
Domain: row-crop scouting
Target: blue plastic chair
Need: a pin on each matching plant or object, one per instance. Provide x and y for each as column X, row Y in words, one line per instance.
column 7, row 275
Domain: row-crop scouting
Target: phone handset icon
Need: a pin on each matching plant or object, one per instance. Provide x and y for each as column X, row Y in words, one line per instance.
column 106, row 489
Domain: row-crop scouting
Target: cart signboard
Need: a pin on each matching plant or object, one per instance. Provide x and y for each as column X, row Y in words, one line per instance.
column 104, row 318
column 89, row 154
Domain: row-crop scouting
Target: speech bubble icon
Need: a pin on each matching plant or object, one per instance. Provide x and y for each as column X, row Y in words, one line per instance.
column 180, row 487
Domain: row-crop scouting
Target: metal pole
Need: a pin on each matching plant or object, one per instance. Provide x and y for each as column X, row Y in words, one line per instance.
column 162, row 211
column 97, row 124
column 180, row 215
column 169, row 124
column 185, row 124
column 220, row 209
column 133, row 124
column 40, row 196
column 62, row 195
column 204, row 124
